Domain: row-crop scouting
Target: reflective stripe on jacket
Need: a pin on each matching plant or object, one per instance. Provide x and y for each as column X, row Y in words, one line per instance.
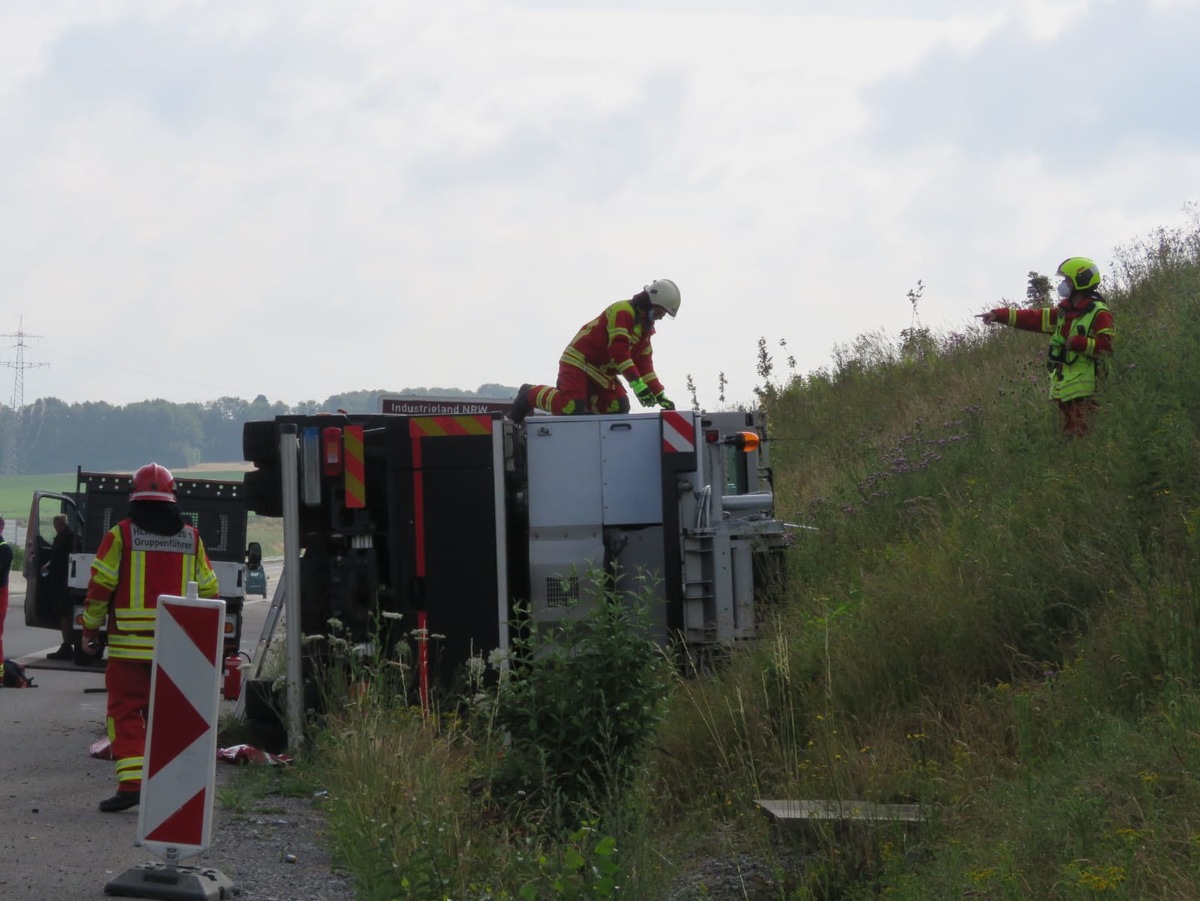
column 130, row 570
column 1075, row 377
column 615, row 343
column 1072, row 373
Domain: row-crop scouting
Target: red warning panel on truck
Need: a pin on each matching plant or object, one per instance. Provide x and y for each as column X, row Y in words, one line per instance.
column 354, row 476
column 679, row 433
column 440, row 426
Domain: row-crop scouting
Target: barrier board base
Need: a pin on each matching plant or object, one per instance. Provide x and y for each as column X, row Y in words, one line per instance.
column 156, row 880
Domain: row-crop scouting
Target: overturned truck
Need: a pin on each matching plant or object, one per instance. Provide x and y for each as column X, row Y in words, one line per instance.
column 454, row 520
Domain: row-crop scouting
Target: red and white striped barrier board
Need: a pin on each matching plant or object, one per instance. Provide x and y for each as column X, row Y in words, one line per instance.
column 175, row 815
column 679, row 432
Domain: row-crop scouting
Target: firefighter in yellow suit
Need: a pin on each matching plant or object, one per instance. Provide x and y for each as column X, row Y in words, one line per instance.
column 150, row 552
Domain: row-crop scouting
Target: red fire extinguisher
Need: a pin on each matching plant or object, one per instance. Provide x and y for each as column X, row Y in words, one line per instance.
column 233, row 677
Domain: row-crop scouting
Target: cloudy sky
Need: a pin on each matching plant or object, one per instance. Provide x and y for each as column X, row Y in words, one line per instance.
column 298, row 198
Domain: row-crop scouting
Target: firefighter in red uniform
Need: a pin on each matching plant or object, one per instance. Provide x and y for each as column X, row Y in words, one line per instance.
column 150, row 552
column 615, row 344
column 6, row 559
column 1081, row 334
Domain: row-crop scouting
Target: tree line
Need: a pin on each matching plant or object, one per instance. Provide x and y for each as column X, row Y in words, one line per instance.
column 51, row 436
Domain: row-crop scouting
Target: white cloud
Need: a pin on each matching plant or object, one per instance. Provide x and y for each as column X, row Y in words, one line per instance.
column 297, row 199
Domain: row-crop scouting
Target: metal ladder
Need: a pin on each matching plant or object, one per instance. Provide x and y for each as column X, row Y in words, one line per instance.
column 698, row 599
column 258, row 658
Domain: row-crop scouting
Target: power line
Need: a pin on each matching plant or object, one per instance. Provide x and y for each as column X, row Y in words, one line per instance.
column 19, row 365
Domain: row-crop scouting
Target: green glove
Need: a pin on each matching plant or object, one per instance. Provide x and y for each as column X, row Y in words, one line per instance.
column 665, row 402
column 643, row 393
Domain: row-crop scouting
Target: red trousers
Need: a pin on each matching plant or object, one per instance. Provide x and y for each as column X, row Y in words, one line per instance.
column 576, row 393
column 3, row 613
column 128, row 685
column 1077, row 415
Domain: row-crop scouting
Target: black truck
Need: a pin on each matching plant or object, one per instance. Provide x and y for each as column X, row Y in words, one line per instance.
column 216, row 508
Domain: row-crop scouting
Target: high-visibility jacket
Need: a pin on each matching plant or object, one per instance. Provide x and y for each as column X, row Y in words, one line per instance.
column 615, row 343
column 1080, row 337
column 131, row 569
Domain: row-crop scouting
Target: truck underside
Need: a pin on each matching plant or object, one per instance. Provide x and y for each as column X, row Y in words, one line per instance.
column 446, row 525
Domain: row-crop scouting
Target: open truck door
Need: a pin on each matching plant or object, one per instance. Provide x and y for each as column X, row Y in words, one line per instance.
column 39, row 536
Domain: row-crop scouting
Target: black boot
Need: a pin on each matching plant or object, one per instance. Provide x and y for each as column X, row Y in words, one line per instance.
column 521, row 405
column 121, row 801
column 65, row 652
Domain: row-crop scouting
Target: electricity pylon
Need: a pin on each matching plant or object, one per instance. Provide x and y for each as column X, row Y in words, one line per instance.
column 17, row 412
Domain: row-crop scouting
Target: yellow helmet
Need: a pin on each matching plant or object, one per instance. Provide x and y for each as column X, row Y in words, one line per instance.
column 1082, row 273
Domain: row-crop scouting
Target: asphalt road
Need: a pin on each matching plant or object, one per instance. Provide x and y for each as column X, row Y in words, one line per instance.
column 54, row 843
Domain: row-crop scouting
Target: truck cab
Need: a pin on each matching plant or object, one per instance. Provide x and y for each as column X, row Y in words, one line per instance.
column 100, row 499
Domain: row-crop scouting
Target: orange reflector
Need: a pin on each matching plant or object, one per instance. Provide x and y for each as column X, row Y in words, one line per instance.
column 744, row 441
column 331, row 450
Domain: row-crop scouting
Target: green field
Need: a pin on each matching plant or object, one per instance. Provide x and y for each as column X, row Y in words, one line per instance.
column 16, row 497
column 16, row 492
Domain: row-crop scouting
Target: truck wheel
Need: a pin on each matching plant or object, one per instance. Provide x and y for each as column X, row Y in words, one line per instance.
column 264, row 491
column 260, row 443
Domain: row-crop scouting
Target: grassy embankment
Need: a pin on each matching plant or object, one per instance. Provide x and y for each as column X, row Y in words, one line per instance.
column 991, row 620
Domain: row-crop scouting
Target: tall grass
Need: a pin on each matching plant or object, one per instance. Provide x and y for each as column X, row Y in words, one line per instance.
column 532, row 785
column 991, row 619
column 988, row 619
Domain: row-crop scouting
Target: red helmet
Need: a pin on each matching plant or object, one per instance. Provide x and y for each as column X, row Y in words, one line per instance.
column 153, row 483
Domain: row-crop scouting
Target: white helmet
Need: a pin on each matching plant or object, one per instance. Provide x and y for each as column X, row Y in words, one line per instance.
column 664, row 293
